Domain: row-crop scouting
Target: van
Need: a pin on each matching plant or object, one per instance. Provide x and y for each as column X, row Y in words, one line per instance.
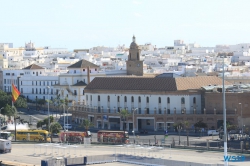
column 212, row 132
column 5, row 146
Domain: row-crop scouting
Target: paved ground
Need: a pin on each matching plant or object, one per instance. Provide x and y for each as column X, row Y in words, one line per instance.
column 34, row 153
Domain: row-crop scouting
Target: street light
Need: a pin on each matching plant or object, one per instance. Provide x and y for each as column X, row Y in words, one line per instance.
column 48, row 87
column 134, row 121
column 179, row 130
column 241, row 117
column 67, row 115
column 1, row 119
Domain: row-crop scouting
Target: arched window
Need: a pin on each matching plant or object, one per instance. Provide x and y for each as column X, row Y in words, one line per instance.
column 108, row 98
column 118, row 98
column 194, row 100
column 132, row 99
column 125, row 98
column 99, row 98
column 139, row 99
column 168, row 100
column 182, row 100
column 147, row 99
column 159, row 100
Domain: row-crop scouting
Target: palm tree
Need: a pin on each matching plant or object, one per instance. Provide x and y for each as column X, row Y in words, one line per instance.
column 55, row 128
column 186, row 126
column 86, row 123
column 124, row 114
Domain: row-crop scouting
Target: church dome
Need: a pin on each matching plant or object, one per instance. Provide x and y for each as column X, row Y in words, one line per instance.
column 133, row 45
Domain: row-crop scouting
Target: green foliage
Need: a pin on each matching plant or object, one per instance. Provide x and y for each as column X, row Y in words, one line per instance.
column 7, row 99
column 41, row 102
column 55, row 127
column 124, row 113
column 200, row 124
column 39, row 123
column 86, row 123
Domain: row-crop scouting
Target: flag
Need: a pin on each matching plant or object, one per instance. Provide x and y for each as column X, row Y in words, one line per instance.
column 15, row 93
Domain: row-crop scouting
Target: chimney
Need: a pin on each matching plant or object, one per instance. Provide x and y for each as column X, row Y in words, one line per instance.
column 88, row 70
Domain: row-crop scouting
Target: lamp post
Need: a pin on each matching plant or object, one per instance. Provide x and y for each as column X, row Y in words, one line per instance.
column 241, row 117
column 134, row 121
column 67, row 115
column 224, row 114
column 179, row 130
column 1, row 119
column 48, row 87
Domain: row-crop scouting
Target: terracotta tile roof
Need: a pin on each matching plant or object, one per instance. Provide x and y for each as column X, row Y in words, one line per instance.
column 33, row 66
column 82, row 64
column 184, row 83
column 132, row 83
column 152, row 84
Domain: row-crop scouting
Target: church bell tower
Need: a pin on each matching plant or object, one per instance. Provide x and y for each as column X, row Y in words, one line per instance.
column 134, row 64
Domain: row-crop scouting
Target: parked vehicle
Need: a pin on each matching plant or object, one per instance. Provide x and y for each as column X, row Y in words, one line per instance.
column 67, row 126
column 212, row 132
column 144, row 132
column 34, row 135
column 71, row 136
column 106, row 136
column 5, row 135
column 5, row 146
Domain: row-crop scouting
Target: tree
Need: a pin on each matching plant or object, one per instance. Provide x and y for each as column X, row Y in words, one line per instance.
column 55, row 127
column 186, row 126
column 39, row 123
column 9, row 110
column 124, row 114
column 41, row 102
column 86, row 123
column 200, row 124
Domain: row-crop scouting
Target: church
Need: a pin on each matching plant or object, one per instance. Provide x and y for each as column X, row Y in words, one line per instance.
column 157, row 103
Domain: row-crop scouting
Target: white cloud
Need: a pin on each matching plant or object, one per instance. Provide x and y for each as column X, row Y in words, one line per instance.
column 137, row 15
column 137, row 2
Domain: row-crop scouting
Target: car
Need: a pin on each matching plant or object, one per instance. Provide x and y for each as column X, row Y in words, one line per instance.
column 67, row 126
column 212, row 132
column 144, row 132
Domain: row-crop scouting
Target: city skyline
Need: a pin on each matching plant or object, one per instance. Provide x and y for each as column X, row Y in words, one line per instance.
column 84, row 24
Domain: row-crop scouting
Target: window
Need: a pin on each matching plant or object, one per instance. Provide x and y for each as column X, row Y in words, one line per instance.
column 132, row 99
column 75, row 93
column 52, row 91
column 99, row 98
column 125, row 98
column 21, row 90
column 139, row 99
column 118, row 98
column 47, row 83
column 74, row 71
column 36, row 82
column 147, row 111
column 147, row 99
column 159, row 100
column 168, row 100
column 40, row 82
column 139, row 110
column 40, row 91
column 194, row 100
column 182, row 100
column 87, row 97
column 21, row 82
column 43, row 91
column 82, row 92
column 5, row 81
column 108, row 98
column 32, row 90
column 95, row 69
column 137, row 55
column 44, row 83
column 168, row 111
column 83, row 70
column 159, row 111
column 36, row 91
column 148, row 122
column 90, row 97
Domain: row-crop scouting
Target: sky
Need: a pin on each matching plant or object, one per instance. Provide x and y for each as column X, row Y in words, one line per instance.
column 81, row 24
